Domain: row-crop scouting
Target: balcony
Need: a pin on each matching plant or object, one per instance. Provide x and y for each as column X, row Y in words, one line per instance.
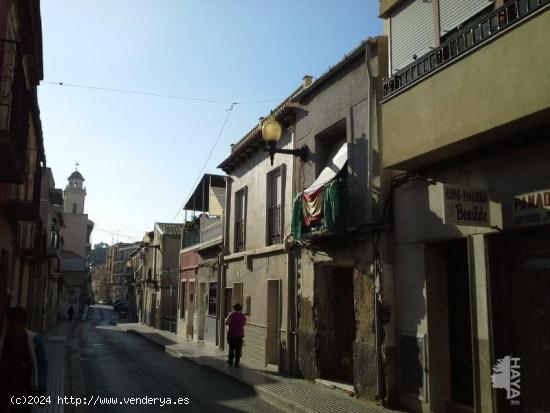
column 191, row 238
column 211, row 230
column 207, row 234
column 29, row 237
column 240, row 226
column 19, row 201
column 274, row 225
column 327, row 222
column 52, row 242
column 486, row 82
column 14, row 114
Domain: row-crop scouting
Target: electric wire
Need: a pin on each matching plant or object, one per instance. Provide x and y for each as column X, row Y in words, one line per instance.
column 159, row 95
column 229, row 111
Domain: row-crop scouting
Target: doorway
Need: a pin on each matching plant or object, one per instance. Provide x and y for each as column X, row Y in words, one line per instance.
column 190, row 309
column 273, row 321
column 520, row 295
column 451, row 382
column 460, row 322
column 201, row 306
column 335, row 322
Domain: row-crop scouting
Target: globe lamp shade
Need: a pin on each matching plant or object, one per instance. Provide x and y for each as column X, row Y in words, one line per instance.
column 271, row 130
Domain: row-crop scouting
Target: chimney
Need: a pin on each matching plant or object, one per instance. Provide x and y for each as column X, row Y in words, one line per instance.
column 307, row 81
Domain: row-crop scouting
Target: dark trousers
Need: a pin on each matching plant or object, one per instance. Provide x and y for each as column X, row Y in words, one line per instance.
column 235, row 349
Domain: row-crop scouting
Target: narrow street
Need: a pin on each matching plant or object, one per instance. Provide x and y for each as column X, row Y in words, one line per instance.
column 119, row 364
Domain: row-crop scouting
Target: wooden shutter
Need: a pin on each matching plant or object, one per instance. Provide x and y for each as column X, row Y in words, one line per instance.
column 411, row 32
column 453, row 12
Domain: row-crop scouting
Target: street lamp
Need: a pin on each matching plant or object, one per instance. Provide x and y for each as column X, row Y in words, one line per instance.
column 271, row 134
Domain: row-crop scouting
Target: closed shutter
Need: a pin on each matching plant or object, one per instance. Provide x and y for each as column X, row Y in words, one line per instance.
column 412, row 32
column 453, row 12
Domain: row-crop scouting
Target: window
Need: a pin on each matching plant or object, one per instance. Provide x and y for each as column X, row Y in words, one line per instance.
column 182, row 300
column 74, row 208
column 240, row 219
column 212, row 298
column 274, row 207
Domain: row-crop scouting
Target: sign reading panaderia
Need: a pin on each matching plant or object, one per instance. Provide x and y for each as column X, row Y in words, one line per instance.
column 532, row 208
column 465, row 206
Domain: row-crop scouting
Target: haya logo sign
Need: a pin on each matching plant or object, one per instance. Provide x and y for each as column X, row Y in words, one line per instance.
column 507, row 375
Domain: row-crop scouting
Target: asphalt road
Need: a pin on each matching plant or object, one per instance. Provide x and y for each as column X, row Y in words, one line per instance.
column 119, row 364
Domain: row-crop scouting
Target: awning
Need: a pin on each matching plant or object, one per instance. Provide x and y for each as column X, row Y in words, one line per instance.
column 331, row 170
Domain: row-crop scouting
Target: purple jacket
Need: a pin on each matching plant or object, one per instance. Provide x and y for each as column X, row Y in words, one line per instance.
column 236, row 322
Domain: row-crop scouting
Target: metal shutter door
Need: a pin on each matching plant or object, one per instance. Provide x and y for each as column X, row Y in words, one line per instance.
column 412, row 32
column 453, row 12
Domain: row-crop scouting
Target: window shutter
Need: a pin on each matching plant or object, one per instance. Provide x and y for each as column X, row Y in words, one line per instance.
column 452, row 12
column 411, row 32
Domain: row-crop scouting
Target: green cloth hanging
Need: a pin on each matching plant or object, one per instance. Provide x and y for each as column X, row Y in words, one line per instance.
column 333, row 211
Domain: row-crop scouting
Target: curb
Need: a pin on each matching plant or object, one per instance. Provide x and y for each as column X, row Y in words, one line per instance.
column 266, row 395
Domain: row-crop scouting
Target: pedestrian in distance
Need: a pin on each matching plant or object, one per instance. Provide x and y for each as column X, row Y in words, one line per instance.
column 236, row 321
column 23, row 363
column 70, row 313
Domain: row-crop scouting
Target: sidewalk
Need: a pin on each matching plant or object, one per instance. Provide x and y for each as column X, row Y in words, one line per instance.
column 54, row 344
column 288, row 394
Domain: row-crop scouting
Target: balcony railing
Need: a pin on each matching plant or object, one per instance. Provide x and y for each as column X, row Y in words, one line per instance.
column 239, row 235
column 29, row 237
column 190, row 238
column 466, row 40
column 14, row 113
column 274, row 224
column 212, row 231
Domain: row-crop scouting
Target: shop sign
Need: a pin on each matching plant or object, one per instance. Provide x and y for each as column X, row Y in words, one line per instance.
column 467, row 206
column 532, row 208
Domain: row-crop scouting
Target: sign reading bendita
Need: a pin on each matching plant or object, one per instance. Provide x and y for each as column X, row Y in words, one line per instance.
column 465, row 206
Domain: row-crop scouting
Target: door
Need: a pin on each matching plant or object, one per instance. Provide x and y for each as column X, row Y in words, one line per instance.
column 520, row 294
column 202, row 301
column 153, row 304
column 190, row 309
column 335, row 322
column 237, row 296
column 460, row 323
column 273, row 321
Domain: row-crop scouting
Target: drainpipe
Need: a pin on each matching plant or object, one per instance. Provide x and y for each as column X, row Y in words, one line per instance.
column 292, row 269
column 222, row 267
column 377, row 265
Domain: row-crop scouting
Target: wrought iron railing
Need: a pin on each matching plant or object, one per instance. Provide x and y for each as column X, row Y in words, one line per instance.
column 239, row 235
column 211, row 231
column 274, row 224
column 466, row 40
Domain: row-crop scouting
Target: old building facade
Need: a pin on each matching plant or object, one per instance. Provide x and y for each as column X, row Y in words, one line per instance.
column 119, row 274
column 21, row 154
column 155, row 266
column 198, row 315
column 341, row 255
column 471, row 257
column 49, row 281
column 256, row 258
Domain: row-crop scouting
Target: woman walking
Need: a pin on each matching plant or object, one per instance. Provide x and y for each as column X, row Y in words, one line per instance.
column 236, row 321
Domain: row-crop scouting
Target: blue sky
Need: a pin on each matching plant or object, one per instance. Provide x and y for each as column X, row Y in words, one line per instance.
column 141, row 155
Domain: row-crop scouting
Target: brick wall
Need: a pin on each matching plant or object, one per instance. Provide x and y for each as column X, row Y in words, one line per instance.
column 254, row 345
